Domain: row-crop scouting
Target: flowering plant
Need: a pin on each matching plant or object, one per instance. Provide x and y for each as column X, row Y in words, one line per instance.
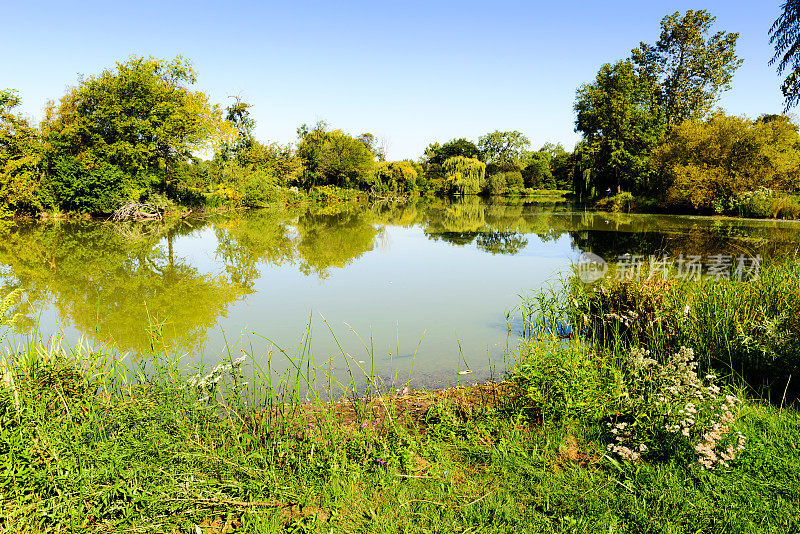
column 205, row 386
column 668, row 411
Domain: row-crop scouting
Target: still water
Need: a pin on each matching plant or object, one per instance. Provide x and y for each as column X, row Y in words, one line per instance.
column 429, row 285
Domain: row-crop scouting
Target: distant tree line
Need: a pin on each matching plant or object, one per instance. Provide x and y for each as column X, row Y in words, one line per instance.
column 650, row 131
column 131, row 135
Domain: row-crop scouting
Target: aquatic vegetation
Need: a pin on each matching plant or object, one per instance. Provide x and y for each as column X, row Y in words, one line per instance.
column 749, row 330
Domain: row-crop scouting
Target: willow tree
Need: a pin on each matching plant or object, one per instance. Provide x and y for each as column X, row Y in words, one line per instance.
column 464, row 175
column 396, row 176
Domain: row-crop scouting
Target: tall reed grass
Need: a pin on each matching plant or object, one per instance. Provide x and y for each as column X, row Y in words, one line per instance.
column 747, row 331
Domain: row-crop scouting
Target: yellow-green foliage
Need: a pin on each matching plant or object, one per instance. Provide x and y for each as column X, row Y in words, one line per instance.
column 396, row 176
column 701, row 163
column 621, row 202
column 272, row 158
column 464, row 175
column 20, row 158
column 139, row 117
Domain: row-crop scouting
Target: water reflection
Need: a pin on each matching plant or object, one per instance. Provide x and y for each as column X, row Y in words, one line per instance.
column 120, row 282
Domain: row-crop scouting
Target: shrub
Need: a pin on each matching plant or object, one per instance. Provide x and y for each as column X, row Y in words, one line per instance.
column 514, row 180
column 495, row 184
column 622, row 202
column 668, row 412
column 71, row 186
column 746, row 329
column 565, row 382
column 704, row 164
column 763, row 203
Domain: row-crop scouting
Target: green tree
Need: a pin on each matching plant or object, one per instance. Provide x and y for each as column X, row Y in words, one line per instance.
column 691, row 67
column 437, row 154
column 704, row 164
column 621, row 122
column 137, row 122
column 464, row 175
column 334, row 158
column 238, row 115
column 536, row 171
column 20, row 158
column 562, row 166
column 502, row 148
column 372, row 144
column 396, row 176
column 785, row 36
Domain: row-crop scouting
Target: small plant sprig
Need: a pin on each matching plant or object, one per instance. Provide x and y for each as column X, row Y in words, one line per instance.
column 670, row 411
column 206, row 385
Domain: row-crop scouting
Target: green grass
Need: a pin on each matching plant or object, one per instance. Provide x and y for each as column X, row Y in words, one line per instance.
column 91, row 443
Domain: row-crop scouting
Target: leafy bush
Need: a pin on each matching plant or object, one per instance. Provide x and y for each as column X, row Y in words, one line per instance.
column 495, row 184
column 622, row 202
column 705, row 164
column 565, row 382
column 762, row 203
column 71, row 186
column 668, row 412
column 335, row 158
column 746, row 329
column 514, row 180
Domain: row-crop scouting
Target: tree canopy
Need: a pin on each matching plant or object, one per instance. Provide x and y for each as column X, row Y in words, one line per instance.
column 138, row 117
column 621, row 122
column 464, row 175
column 334, row 158
column 702, row 163
column 690, row 67
column 785, row 37
column 498, row 148
column 437, row 154
column 20, row 157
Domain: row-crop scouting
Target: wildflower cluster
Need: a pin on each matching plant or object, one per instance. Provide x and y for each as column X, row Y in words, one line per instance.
column 206, row 385
column 623, row 440
column 669, row 408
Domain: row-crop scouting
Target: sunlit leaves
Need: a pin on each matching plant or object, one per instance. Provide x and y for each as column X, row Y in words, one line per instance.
column 464, row 175
column 785, row 36
column 498, row 148
column 621, row 123
column 139, row 117
column 701, row 162
column 691, row 67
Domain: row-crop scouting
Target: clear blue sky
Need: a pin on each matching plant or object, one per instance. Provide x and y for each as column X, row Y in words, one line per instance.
column 410, row 72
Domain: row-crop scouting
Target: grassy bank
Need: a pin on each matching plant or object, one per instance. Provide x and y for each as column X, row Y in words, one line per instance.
column 544, row 195
column 578, row 437
column 762, row 203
